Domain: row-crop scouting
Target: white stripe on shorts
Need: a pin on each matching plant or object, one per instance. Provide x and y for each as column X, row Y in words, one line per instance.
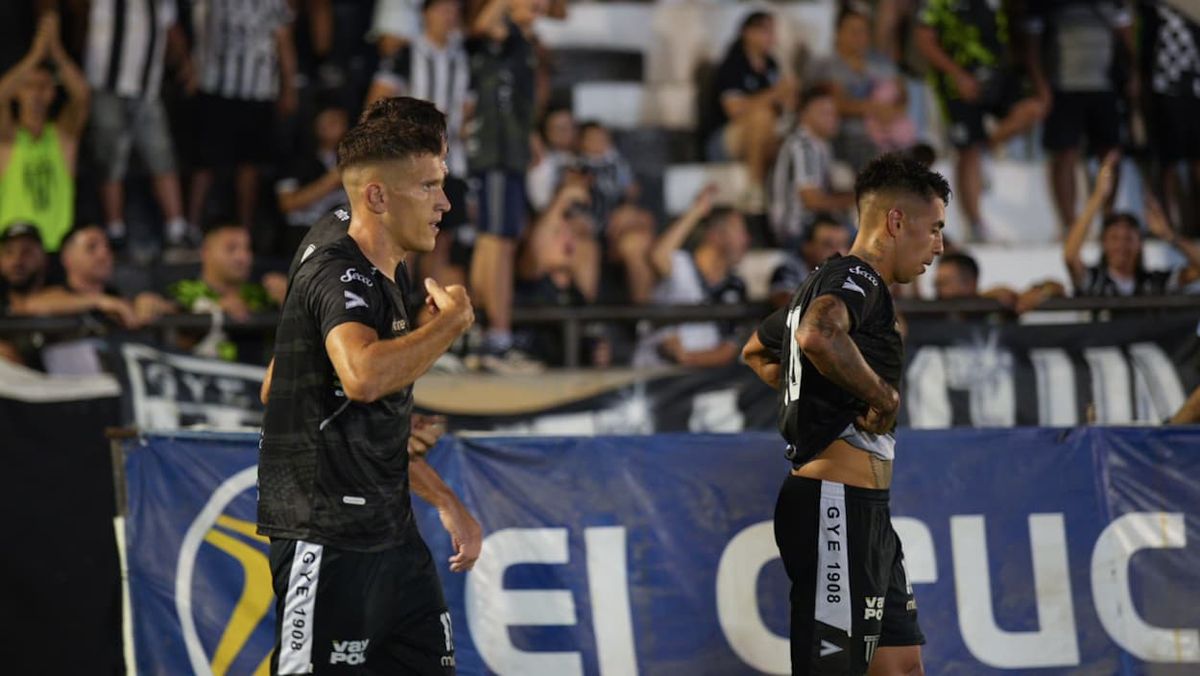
column 296, row 625
column 833, row 569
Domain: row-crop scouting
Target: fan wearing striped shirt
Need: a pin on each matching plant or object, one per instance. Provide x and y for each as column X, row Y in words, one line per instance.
column 433, row 66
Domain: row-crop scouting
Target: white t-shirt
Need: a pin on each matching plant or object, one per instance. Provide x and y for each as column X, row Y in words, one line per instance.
column 684, row 286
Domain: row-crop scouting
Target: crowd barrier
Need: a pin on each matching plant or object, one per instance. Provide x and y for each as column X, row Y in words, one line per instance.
column 1068, row 551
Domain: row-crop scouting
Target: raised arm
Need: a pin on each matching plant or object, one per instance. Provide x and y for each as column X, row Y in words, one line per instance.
column 1105, row 180
column 74, row 114
column 1159, row 226
column 371, row 367
column 489, row 22
column 11, row 81
column 672, row 240
column 824, row 337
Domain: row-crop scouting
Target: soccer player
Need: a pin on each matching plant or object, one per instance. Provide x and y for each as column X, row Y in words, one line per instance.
column 835, row 356
column 356, row 588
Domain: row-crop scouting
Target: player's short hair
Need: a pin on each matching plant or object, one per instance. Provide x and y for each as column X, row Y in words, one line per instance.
column 963, row 262
column 900, row 173
column 396, row 128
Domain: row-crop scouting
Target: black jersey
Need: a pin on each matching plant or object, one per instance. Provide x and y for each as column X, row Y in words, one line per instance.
column 326, row 229
column 813, row 411
column 332, row 471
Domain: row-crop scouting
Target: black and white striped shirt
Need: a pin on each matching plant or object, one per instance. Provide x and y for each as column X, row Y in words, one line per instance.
column 804, row 161
column 236, row 56
column 440, row 75
column 126, row 41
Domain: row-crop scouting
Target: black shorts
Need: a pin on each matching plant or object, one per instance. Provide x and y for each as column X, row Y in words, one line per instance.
column 850, row 592
column 1173, row 124
column 1091, row 120
column 233, row 132
column 501, row 203
column 964, row 120
column 347, row 612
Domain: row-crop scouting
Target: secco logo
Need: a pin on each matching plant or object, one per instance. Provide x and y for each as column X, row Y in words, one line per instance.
column 221, row 549
column 862, row 272
column 349, row 652
column 353, row 275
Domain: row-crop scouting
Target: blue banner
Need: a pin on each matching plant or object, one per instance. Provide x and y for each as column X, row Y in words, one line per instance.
column 1067, row 551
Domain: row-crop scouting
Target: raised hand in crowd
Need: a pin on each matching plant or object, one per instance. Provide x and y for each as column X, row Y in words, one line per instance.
column 677, row 233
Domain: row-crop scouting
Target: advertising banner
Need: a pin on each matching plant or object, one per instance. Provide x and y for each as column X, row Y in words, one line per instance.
column 1066, row 551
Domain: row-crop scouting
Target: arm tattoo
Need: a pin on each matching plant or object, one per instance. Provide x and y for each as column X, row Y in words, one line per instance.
column 840, row 360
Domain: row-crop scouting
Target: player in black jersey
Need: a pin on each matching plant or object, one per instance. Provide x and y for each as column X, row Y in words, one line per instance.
column 835, row 355
column 356, row 588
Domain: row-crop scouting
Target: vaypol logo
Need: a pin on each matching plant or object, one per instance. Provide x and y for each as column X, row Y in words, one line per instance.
column 222, row 552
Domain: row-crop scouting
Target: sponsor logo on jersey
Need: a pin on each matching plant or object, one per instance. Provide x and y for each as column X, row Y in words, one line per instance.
column 853, row 286
column 308, row 252
column 349, row 652
column 353, row 300
column 874, row 609
column 342, row 214
column 353, row 275
column 828, row 648
column 862, row 272
column 399, row 326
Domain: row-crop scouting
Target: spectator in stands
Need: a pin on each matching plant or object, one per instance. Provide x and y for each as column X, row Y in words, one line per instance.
column 1072, row 48
column 246, row 67
column 558, row 138
column 124, row 60
column 967, row 45
column 434, row 66
column 612, row 181
column 1121, row 271
column 801, row 183
column 499, row 154
column 1171, row 51
column 224, row 288
column 751, row 91
column 87, row 260
column 700, row 277
column 823, row 238
column 957, row 276
column 38, row 154
column 313, row 186
column 551, row 273
column 870, row 93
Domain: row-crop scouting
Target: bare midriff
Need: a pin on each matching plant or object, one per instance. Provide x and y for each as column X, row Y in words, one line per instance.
column 845, row 464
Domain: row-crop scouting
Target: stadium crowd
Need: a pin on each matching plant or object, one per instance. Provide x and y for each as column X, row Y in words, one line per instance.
column 112, row 113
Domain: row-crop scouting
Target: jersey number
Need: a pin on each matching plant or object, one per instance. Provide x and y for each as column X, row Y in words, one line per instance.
column 792, row 374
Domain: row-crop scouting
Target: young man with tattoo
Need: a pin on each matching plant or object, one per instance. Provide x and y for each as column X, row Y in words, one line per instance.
column 836, row 357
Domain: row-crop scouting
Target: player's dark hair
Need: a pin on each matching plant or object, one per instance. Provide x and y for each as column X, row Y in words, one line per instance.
column 901, row 173
column 397, row 128
column 923, row 153
column 963, row 262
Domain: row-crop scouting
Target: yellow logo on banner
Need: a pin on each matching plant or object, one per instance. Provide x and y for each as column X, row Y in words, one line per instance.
column 237, row 539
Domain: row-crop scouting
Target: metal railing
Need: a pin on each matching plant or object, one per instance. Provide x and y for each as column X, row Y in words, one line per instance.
column 573, row 320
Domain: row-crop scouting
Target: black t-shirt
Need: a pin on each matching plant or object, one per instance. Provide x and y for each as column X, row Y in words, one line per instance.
column 812, row 410
column 333, row 471
column 737, row 76
column 503, row 79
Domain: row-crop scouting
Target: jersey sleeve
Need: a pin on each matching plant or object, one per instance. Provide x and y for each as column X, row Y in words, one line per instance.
column 772, row 331
column 336, row 291
column 857, row 288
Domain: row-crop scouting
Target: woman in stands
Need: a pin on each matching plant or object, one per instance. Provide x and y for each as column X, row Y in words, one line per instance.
column 750, row 92
column 1121, row 271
